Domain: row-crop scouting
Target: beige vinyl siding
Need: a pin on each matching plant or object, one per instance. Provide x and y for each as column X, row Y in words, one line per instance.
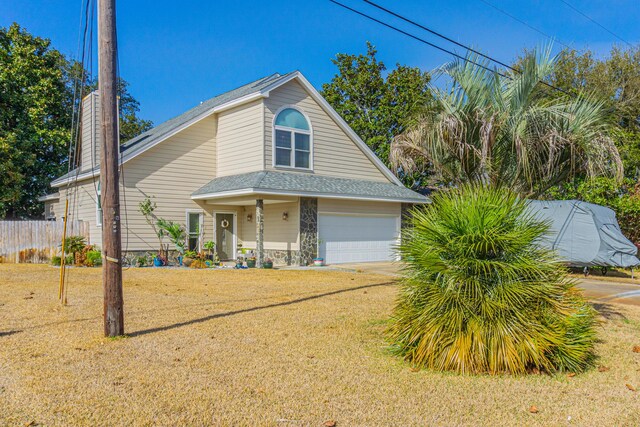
column 169, row 173
column 334, row 152
column 90, row 132
column 278, row 233
column 82, row 207
column 240, row 139
column 338, row 206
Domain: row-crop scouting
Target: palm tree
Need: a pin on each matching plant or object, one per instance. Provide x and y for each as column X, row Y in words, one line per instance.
column 504, row 130
column 480, row 295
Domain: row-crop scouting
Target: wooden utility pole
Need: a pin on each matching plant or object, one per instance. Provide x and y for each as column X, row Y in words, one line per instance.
column 109, row 179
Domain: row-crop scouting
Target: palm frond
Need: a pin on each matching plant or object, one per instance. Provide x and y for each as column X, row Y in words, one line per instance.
column 479, row 295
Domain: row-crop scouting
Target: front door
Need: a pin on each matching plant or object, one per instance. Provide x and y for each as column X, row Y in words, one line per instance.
column 224, row 236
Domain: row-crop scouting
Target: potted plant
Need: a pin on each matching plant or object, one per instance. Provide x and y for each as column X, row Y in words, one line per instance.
column 209, row 246
column 268, row 263
column 251, row 262
column 318, row 262
column 158, row 260
column 239, row 262
column 188, row 258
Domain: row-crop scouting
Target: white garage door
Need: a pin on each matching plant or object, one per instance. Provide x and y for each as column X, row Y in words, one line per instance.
column 347, row 238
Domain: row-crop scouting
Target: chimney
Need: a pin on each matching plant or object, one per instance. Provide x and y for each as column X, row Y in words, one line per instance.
column 90, row 137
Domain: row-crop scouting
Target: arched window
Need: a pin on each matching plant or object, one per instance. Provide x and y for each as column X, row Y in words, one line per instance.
column 292, row 135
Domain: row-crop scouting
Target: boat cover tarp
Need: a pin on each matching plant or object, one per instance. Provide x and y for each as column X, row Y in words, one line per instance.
column 585, row 234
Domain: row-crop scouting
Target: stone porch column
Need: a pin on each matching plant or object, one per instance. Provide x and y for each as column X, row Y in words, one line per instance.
column 259, row 232
column 308, row 230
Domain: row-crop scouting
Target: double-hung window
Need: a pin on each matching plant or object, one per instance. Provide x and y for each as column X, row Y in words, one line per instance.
column 194, row 231
column 292, row 146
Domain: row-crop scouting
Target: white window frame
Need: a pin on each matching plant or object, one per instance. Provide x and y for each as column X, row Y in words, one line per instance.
column 99, row 206
column 293, row 131
column 200, row 212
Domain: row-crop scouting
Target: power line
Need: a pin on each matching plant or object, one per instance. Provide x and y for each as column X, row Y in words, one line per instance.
column 416, row 38
column 443, row 37
column 596, row 22
column 437, row 34
column 526, row 24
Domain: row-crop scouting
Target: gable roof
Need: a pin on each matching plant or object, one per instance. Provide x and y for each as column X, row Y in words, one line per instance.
column 246, row 93
column 305, row 184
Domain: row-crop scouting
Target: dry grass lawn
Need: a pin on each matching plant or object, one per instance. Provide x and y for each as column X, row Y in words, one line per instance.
column 279, row 348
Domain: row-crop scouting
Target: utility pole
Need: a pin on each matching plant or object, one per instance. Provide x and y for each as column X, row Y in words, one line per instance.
column 109, row 179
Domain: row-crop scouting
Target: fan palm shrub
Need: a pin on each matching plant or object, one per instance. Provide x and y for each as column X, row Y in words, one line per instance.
column 506, row 131
column 479, row 295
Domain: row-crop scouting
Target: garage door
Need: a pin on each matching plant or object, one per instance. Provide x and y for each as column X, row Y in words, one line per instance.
column 347, row 238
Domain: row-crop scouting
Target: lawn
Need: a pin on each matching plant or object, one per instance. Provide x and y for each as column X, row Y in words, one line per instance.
column 280, row 348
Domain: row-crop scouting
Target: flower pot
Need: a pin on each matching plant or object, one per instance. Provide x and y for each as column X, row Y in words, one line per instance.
column 186, row 261
column 180, row 260
column 267, row 264
column 238, row 265
column 318, row 262
column 251, row 263
column 157, row 262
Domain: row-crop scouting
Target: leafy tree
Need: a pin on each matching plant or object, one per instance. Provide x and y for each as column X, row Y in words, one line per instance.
column 35, row 120
column 615, row 81
column 130, row 124
column 480, row 295
column 377, row 107
column 36, row 105
column 500, row 131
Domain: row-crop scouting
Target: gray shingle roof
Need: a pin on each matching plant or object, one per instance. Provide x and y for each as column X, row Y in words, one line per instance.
column 169, row 126
column 301, row 183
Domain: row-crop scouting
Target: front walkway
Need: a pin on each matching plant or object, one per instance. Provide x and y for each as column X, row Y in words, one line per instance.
column 596, row 290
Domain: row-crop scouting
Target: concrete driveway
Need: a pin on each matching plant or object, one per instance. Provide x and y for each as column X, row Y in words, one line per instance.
column 596, row 290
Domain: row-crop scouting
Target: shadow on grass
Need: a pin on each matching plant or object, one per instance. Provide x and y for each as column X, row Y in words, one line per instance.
column 608, row 311
column 250, row 309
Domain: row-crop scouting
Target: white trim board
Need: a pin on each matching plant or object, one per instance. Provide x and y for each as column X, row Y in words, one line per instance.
column 257, row 191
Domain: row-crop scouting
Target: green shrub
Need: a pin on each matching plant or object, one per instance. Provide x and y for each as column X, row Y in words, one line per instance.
column 73, row 244
column 143, row 261
column 478, row 295
column 93, row 258
column 56, row 260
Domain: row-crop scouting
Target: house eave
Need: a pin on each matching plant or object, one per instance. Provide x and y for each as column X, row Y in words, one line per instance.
column 49, row 197
column 270, row 192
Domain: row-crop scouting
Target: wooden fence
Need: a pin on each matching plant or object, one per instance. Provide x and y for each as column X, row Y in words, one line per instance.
column 35, row 241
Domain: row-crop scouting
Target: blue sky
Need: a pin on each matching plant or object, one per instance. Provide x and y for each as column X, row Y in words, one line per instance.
column 176, row 54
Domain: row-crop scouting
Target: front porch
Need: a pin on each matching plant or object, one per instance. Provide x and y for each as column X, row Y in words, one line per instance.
column 294, row 217
column 282, row 229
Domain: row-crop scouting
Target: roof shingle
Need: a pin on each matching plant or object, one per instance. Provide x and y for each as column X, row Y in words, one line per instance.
column 303, row 183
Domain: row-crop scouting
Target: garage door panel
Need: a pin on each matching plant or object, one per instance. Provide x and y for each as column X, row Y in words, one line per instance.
column 350, row 238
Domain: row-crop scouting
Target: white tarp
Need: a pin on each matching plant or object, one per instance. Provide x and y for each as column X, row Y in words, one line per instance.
column 585, row 234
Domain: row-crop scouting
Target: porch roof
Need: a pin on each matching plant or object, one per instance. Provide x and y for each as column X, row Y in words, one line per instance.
column 305, row 185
